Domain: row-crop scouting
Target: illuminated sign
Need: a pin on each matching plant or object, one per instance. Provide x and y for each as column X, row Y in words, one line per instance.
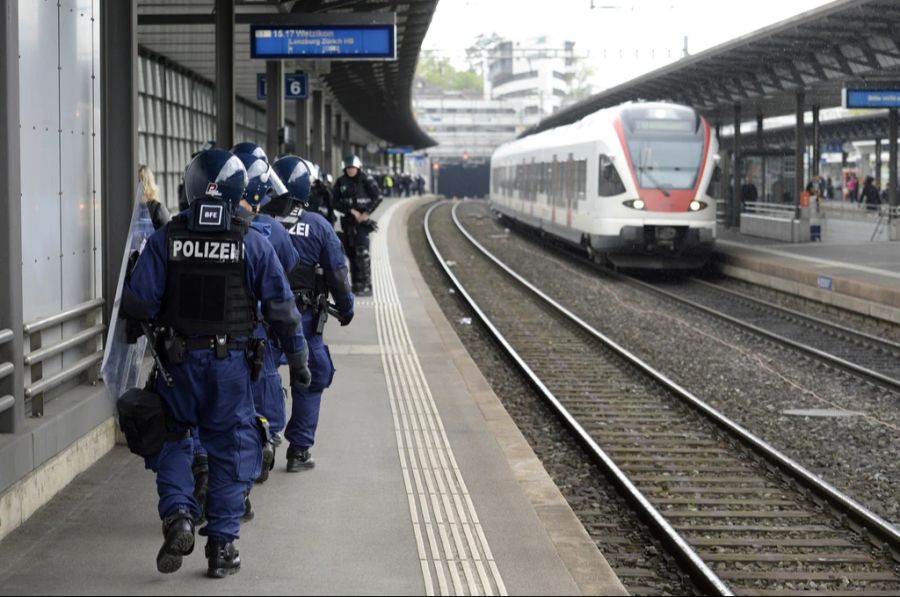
column 373, row 42
column 668, row 126
column 871, row 98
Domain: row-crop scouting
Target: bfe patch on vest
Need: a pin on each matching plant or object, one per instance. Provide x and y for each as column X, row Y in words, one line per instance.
column 211, row 215
column 216, row 251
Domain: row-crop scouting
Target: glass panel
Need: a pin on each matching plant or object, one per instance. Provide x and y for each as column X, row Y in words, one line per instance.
column 664, row 163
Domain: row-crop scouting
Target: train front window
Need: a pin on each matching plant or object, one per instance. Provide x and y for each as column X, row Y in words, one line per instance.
column 664, row 163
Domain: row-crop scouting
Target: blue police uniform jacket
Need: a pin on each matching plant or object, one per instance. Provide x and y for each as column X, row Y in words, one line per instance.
column 263, row 274
column 317, row 242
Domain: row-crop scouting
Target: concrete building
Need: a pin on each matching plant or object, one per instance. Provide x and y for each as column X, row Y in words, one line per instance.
column 535, row 72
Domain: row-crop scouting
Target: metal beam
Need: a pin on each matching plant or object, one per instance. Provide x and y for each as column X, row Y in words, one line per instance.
column 816, row 142
column 799, row 150
column 271, row 18
column 274, row 106
column 224, row 73
column 733, row 217
column 11, row 219
column 892, row 166
column 118, row 133
column 317, row 143
column 301, row 143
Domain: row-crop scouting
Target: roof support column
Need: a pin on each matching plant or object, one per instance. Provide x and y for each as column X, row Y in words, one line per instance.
column 328, row 157
column 225, row 73
column 339, row 133
column 800, row 146
column 118, row 135
column 878, row 150
column 759, row 131
column 347, row 147
column 274, row 106
column 316, row 145
column 816, row 143
column 12, row 415
column 892, row 166
column 301, row 145
column 733, row 217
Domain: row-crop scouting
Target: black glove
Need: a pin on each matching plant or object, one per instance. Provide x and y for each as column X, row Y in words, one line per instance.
column 345, row 318
column 133, row 330
column 299, row 368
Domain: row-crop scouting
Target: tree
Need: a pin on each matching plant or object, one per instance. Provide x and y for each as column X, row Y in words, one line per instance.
column 476, row 53
column 580, row 86
column 439, row 74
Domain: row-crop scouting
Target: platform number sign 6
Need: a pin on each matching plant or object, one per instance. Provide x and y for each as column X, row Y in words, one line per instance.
column 296, row 88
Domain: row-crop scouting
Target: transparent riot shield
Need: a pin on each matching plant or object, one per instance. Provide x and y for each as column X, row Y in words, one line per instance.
column 123, row 362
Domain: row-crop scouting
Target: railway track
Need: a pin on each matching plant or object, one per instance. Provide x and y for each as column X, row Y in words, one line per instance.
column 875, row 359
column 739, row 516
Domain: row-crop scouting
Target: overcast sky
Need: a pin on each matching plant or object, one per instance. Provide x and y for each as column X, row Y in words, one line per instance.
column 621, row 39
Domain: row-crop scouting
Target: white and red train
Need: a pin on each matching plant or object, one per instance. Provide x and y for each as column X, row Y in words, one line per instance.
column 629, row 184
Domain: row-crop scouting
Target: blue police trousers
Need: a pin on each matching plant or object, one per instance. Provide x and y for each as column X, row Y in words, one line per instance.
column 301, row 429
column 215, row 396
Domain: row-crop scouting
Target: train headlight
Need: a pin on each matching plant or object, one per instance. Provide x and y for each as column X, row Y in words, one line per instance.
column 695, row 206
column 638, row 204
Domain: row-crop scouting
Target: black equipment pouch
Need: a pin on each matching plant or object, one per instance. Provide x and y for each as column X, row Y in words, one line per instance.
column 321, row 312
column 221, row 346
column 264, row 432
column 175, row 349
column 256, row 353
column 143, row 420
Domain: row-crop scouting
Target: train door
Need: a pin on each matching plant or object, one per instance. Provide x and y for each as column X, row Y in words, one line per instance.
column 569, row 195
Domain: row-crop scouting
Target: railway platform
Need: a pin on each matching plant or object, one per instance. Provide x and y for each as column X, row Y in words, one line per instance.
column 423, row 484
column 854, row 274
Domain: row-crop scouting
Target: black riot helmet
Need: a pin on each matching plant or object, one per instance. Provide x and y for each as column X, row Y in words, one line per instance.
column 263, row 182
column 351, row 161
column 251, row 148
column 295, row 174
column 215, row 174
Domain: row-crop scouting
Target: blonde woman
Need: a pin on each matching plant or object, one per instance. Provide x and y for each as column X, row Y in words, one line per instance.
column 158, row 212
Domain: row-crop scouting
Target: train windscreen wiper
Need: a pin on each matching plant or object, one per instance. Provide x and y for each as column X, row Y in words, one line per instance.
column 646, row 171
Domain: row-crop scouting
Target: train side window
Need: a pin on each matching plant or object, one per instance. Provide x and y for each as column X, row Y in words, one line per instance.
column 610, row 181
column 581, row 180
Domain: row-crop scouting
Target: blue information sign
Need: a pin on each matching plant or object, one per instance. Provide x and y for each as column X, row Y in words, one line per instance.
column 872, row 98
column 403, row 149
column 296, row 86
column 260, row 86
column 317, row 41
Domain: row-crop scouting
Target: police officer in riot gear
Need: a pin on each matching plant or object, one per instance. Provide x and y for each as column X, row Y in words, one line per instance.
column 251, row 149
column 320, row 199
column 321, row 271
column 199, row 278
column 356, row 194
column 267, row 392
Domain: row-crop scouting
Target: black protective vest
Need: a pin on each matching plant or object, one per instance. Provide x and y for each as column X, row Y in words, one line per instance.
column 206, row 292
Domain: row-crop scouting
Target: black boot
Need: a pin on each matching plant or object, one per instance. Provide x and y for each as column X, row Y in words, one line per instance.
column 268, row 462
column 178, row 530
column 249, row 513
column 299, row 460
column 200, row 468
column 365, row 271
column 223, row 558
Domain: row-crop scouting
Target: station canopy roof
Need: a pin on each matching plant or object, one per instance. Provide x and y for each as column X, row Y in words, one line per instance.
column 815, row 52
column 376, row 94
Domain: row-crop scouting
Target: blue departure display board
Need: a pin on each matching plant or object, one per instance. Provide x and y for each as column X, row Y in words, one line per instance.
column 872, row 98
column 316, row 41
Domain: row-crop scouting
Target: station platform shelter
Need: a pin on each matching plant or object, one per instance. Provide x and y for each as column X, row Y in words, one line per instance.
column 423, row 485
